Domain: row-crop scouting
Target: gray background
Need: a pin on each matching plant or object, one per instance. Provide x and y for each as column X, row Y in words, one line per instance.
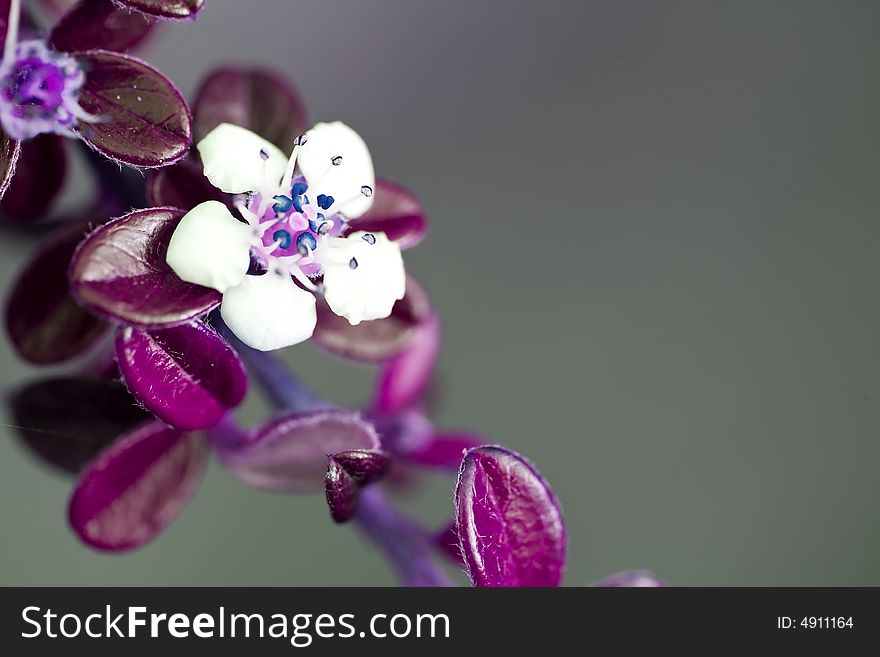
column 654, row 246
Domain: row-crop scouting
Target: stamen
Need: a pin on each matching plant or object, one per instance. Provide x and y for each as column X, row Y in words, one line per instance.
column 367, row 191
column 12, row 31
column 369, row 238
column 306, row 243
column 336, row 161
column 291, row 163
column 353, row 263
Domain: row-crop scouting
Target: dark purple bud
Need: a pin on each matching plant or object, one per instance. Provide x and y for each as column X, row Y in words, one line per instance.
column 631, row 579
column 364, row 465
column 10, row 150
column 508, row 520
column 39, row 176
column 444, row 450
column 378, row 340
column 394, row 212
column 187, row 375
column 144, row 121
column 289, row 454
column 256, row 99
column 136, row 487
column 68, row 421
column 403, row 380
column 182, row 185
column 447, row 541
column 43, row 321
column 171, row 9
column 92, row 24
column 342, row 492
column 119, row 271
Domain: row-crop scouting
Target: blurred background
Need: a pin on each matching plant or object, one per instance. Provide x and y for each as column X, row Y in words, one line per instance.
column 654, row 247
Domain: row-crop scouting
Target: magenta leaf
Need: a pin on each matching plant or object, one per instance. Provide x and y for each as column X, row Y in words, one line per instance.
column 39, row 176
column 364, row 465
column 144, row 121
column 395, row 212
column 182, row 185
column 187, row 375
column 101, row 24
column 256, row 99
column 341, row 490
column 136, row 487
column 631, row 579
column 43, row 321
column 444, row 450
column 378, row 340
column 508, row 520
column 10, row 150
column 403, row 379
column 119, row 271
column 171, row 9
column 67, row 421
column 289, row 454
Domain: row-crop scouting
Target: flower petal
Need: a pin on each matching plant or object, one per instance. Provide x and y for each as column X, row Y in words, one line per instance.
column 136, row 487
column 210, row 247
column 182, row 185
column 257, row 99
column 344, row 180
column 269, row 312
column 234, row 163
column 508, row 520
column 403, row 379
column 363, row 275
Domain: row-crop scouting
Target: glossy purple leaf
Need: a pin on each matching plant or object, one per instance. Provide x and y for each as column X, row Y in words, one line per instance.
column 395, row 212
column 508, row 520
column 170, row 9
column 631, row 579
column 10, row 151
column 39, row 176
column 444, row 451
column 256, row 99
column 402, row 381
column 378, row 340
column 136, row 487
column 119, row 271
column 364, row 465
column 289, row 454
column 67, row 421
column 187, row 375
column 182, row 185
column 43, row 321
column 341, row 491
column 101, row 24
column 145, row 122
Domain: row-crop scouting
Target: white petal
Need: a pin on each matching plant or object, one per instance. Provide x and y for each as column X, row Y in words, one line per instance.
column 269, row 312
column 327, row 141
column 210, row 247
column 369, row 290
column 233, row 161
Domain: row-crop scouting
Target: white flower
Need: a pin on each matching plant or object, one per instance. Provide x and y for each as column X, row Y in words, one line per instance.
column 294, row 229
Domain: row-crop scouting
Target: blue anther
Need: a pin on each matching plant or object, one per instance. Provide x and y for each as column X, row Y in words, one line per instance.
column 324, row 201
column 306, row 242
column 282, row 237
column 284, row 203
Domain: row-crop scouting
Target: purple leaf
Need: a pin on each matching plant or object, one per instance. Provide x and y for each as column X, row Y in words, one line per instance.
column 256, row 99
column 341, row 491
column 187, row 376
column 136, row 487
column 144, row 122
column 119, row 271
column 101, row 24
column 289, row 454
column 378, row 340
column 508, row 520
column 364, row 465
column 444, row 450
column 43, row 321
column 39, row 176
column 395, row 212
column 68, row 421
column 403, row 379
column 631, row 579
column 182, row 185
column 172, row 9
column 10, row 150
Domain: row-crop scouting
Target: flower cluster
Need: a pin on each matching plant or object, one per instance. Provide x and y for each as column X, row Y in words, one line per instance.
column 265, row 235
